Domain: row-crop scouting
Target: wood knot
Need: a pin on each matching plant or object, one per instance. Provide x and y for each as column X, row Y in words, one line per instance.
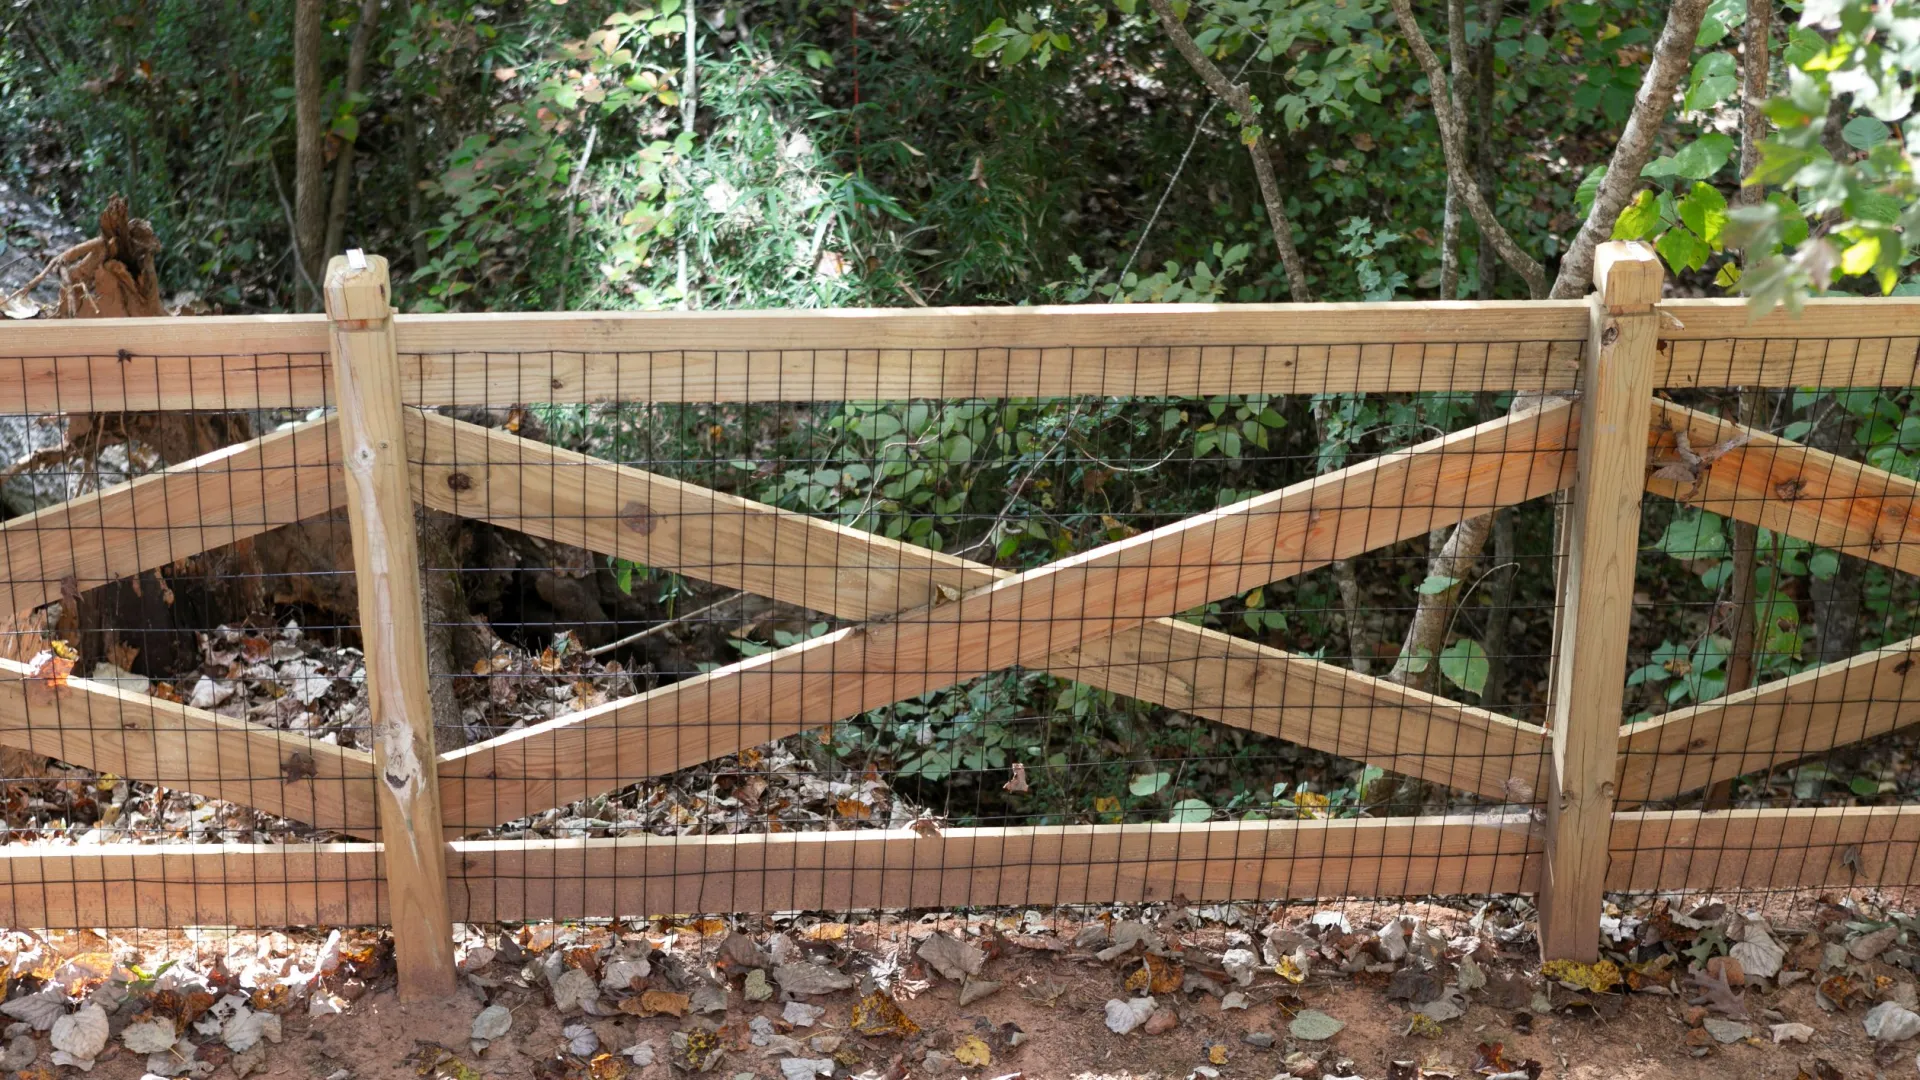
column 639, row 517
column 1790, row 489
column 460, row 481
column 1610, row 335
column 298, row 766
column 554, row 382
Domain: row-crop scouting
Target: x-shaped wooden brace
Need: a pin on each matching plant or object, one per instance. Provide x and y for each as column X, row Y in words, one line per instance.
column 1100, row 617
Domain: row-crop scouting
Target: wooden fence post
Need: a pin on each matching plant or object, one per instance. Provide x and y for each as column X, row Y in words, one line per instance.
column 1602, row 541
column 366, row 379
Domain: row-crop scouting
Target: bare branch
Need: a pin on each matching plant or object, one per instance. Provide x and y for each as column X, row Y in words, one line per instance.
column 1755, row 61
column 1453, row 141
column 1237, row 98
column 343, row 165
column 1450, row 214
column 1670, row 59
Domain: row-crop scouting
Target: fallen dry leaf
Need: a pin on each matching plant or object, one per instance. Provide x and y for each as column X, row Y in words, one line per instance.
column 878, row 1014
column 973, row 1052
column 1600, row 977
column 657, row 1003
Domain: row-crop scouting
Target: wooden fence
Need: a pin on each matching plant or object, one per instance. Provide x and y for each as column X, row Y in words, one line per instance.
column 922, row 620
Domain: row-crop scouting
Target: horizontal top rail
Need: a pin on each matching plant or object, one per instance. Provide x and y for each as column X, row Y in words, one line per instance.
column 274, row 361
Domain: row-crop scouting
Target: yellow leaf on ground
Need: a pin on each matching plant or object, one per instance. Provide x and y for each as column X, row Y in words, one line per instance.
column 832, row 931
column 973, row 1052
column 879, row 1014
column 1289, row 971
column 1599, row 977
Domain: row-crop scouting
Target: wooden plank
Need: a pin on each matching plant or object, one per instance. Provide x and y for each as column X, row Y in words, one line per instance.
column 1018, row 620
column 1247, row 685
column 1791, row 489
column 628, row 513
column 1602, row 534
column 1836, row 341
column 163, row 886
column 1137, row 349
column 392, row 625
column 172, row 885
column 101, row 727
column 1772, row 724
column 1120, row 350
column 217, row 362
column 212, row 500
column 1075, row 864
column 1803, row 847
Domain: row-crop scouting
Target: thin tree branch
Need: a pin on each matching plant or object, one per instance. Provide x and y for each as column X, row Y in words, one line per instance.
column 1671, row 55
column 1450, row 213
column 343, row 165
column 1240, row 100
column 1453, row 142
column 1755, row 76
column 1483, row 145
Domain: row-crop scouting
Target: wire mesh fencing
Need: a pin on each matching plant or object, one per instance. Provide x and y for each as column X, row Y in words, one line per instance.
column 997, row 612
column 1771, row 652
column 751, row 629
column 181, row 658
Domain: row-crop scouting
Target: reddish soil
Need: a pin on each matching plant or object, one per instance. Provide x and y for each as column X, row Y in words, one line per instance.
column 1056, row 998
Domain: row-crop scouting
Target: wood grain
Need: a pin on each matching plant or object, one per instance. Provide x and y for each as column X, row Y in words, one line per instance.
column 212, row 500
column 204, row 884
column 1772, row 724
column 1602, row 535
column 1022, row 619
column 1834, row 341
column 1803, row 847
column 1791, row 489
column 162, row 886
column 180, row 885
column 145, row 365
column 392, row 626
column 101, row 727
column 275, row 361
column 632, row 514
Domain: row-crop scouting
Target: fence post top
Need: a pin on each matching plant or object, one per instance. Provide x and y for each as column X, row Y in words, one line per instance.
column 1626, row 275
column 356, row 287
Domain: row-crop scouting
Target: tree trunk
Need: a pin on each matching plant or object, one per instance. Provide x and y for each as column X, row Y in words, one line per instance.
column 1839, row 601
column 1236, row 97
column 343, row 165
column 1489, row 261
column 1755, row 61
column 309, row 140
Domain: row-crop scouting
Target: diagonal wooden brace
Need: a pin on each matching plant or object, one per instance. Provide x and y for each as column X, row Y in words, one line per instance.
column 568, row 497
column 215, row 499
column 1024, row 619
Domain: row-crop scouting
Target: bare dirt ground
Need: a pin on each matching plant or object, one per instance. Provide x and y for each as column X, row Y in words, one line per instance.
column 875, row 1001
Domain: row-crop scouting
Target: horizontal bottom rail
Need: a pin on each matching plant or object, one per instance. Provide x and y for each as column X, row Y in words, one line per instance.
column 156, row 886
